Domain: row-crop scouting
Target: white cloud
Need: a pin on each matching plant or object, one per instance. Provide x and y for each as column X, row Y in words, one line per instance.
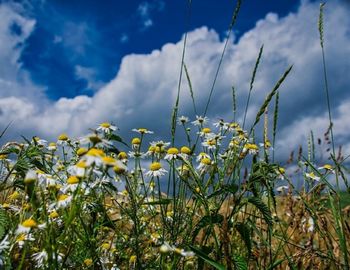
column 144, row 90
column 145, row 9
column 89, row 75
column 14, row 30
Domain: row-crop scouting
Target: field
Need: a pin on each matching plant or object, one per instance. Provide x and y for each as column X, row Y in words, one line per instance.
column 218, row 200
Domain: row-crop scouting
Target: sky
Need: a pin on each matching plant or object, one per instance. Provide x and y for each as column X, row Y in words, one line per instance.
column 66, row 66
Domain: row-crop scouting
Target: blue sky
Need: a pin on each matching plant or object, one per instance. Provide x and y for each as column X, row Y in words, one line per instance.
column 66, row 66
column 77, row 46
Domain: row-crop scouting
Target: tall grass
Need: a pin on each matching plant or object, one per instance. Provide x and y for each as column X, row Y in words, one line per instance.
column 218, row 200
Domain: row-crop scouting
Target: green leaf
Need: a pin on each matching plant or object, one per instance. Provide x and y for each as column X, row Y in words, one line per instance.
column 239, row 263
column 225, row 188
column 245, row 231
column 206, row 258
column 3, row 223
column 114, row 137
column 207, row 220
column 265, row 211
column 276, row 263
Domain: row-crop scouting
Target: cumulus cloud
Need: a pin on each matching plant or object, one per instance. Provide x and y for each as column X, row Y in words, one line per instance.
column 14, row 30
column 89, row 75
column 144, row 90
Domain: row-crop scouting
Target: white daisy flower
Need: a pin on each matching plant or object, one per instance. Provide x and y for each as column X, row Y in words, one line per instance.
column 251, row 148
column 40, row 258
column 4, row 244
column 52, row 146
column 21, row 238
column 201, row 156
column 327, row 167
column 63, row 201
column 156, row 170
column 106, row 127
column 31, row 177
column 172, row 153
column 312, row 176
column 204, row 165
column 182, row 120
column 200, row 120
column 78, row 169
column 94, row 155
column 166, row 248
column 26, row 226
column 63, row 139
column 142, row 131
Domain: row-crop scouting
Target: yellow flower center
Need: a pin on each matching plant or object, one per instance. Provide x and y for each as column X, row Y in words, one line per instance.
column 185, row 150
column 105, row 245
column 53, row 214
column 72, row 180
column 234, row 125
column 81, row 151
column 63, row 137
column 281, row 170
column 155, row 166
column 136, row 141
column 328, row 167
column 173, row 151
column 81, row 164
column 251, row 146
column 62, row 197
column 206, row 130
column 211, row 142
column 95, row 152
column 6, row 205
column 118, row 170
column 152, row 149
column 88, row 262
column 95, row 139
column 3, row 156
column 21, row 237
column 142, row 130
column 159, row 149
column 108, row 160
column 132, row 259
column 206, row 161
column 29, row 223
column 105, row 125
column 312, row 175
column 122, row 155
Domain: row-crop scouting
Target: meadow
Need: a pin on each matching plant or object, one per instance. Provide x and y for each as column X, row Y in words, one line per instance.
column 218, row 200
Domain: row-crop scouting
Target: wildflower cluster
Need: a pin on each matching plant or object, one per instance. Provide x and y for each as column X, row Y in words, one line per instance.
column 97, row 201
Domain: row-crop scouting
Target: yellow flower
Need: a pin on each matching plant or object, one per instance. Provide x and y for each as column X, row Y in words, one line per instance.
column 29, row 223
column 132, row 259
column 72, row 180
column 119, row 170
column 185, row 150
column 88, row 262
column 14, row 195
column 135, row 141
column 109, row 161
column 95, row 152
column 81, row 151
column 63, row 137
column 105, row 245
column 53, row 214
column 155, row 166
column 206, row 161
column 122, row 155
